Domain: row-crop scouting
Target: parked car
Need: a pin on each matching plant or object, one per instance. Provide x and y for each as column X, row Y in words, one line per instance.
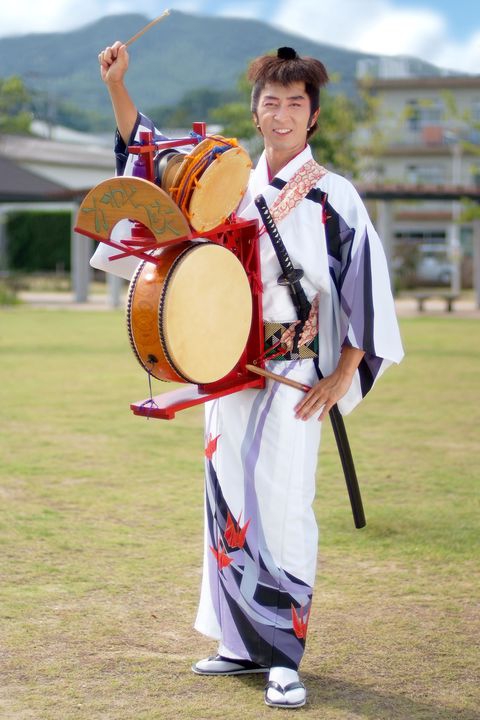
column 433, row 265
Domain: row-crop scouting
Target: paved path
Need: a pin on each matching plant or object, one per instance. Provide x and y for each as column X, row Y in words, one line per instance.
column 406, row 307
column 66, row 301
column 465, row 307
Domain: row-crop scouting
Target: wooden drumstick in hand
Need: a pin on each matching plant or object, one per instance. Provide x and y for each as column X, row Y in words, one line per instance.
column 278, row 378
column 147, row 27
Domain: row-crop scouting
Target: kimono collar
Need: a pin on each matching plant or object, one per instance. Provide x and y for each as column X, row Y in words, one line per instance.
column 261, row 172
column 260, row 185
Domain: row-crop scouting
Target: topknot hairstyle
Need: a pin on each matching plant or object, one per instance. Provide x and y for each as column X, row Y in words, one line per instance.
column 285, row 68
column 287, row 53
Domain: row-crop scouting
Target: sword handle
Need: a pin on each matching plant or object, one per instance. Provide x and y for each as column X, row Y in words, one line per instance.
column 272, row 230
column 291, row 275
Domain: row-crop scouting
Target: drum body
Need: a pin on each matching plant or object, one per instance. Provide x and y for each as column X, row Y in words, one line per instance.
column 189, row 314
column 210, row 182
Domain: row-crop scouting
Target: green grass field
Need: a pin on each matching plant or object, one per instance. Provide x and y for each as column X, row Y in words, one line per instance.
column 101, row 531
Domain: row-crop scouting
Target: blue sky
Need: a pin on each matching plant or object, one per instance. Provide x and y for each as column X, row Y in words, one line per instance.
column 445, row 32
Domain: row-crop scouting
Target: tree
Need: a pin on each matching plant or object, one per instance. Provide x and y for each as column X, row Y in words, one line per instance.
column 196, row 105
column 332, row 144
column 83, row 120
column 15, row 117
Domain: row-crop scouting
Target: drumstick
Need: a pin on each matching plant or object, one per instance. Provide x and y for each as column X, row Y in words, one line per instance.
column 147, row 27
column 278, row 378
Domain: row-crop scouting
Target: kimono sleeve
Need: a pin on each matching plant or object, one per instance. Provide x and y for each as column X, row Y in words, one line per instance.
column 366, row 311
column 123, row 160
column 100, row 260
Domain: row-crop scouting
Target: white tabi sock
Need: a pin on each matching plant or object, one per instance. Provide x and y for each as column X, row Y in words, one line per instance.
column 284, row 676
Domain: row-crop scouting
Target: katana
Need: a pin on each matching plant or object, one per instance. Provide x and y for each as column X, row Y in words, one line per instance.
column 291, row 277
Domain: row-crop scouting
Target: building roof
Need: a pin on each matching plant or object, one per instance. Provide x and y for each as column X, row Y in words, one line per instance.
column 18, row 184
column 25, row 148
column 440, row 82
column 418, row 150
column 403, row 191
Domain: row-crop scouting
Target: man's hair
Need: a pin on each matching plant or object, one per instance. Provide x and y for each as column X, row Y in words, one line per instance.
column 285, row 68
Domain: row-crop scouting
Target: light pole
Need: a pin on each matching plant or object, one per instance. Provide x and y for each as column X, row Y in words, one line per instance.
column 454, row 245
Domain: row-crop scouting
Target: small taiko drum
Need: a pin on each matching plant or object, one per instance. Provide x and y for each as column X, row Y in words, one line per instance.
column 189, row 315
column 208, row 184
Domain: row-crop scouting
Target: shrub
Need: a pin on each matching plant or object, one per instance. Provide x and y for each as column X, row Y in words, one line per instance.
column 38, row 241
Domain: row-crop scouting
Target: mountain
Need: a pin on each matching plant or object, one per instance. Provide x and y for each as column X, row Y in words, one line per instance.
column 183, row 53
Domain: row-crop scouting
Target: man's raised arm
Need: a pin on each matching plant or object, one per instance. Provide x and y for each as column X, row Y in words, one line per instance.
column 113, row 67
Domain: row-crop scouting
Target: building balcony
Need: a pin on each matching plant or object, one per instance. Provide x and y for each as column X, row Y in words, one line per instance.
column 427, row 140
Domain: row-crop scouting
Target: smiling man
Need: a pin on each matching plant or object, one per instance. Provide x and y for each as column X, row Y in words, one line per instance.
column 262, row 446
column 282, row 114
column 285, row 103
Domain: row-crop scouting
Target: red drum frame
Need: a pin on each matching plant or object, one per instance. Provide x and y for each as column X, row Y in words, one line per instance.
column 147, row 235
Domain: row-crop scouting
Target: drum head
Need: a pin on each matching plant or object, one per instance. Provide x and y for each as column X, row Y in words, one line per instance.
column 184, row 178
column 205, row 313
column 219, row 190
column 171, row 168
column 207, row 191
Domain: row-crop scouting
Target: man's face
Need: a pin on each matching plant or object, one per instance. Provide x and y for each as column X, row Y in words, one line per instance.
column 284, row 116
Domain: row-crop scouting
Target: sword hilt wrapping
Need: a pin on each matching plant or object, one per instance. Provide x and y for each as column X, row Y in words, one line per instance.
column 272, row 230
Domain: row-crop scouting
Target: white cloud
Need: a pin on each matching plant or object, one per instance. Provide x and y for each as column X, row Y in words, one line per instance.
column 247, row 10
column 397, row 32
column 378, row 26
column 33, row 17
column 62, row 15
column 464, row 56
column 373, row 26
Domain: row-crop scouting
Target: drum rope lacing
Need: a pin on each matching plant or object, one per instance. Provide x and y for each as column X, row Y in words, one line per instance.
column 180, row 195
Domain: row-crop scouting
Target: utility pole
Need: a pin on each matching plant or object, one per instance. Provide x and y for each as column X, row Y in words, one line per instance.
column 454, row 245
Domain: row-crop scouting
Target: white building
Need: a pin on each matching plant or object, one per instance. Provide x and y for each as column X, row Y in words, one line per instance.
column 54, row 173
column 426, row 134
column 76, row 164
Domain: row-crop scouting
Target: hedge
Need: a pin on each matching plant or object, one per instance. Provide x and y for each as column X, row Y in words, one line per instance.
column 38, row 241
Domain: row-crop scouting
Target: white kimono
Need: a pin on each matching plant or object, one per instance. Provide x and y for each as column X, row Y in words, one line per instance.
column 260, row 530
column 261, row 461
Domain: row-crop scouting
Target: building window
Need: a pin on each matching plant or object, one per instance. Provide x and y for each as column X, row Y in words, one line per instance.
column 373, row 173
column 423, row 113
column 424, row 174
column 431, row 113
column 413, row 115
column 425, row 236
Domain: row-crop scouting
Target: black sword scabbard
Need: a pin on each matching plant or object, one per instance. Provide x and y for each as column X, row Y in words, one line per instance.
column 341, row 438
column 346, row 458
column 291, row 277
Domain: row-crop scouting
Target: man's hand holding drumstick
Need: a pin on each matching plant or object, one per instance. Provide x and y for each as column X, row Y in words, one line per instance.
column 327, row 392
column 113, row 66
column 113, row 62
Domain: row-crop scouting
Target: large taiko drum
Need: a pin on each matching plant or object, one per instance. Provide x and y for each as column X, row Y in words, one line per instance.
column 189, row 315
